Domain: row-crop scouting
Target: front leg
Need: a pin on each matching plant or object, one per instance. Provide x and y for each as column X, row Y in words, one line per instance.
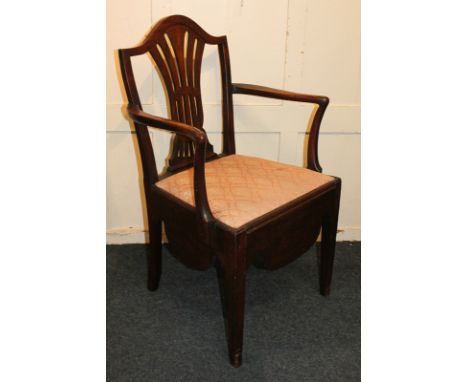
column 327, row 246
column 232, row 276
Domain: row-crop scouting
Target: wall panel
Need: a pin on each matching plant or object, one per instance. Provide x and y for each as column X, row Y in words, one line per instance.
column 256, row 33
column 339, row 155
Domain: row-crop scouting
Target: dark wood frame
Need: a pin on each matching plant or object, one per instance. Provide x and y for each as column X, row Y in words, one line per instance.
column 195, row 236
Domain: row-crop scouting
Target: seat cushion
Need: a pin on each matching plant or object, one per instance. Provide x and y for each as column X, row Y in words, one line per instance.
column 242, row 188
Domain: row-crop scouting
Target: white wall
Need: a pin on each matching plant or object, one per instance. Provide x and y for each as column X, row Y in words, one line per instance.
column 299, row 45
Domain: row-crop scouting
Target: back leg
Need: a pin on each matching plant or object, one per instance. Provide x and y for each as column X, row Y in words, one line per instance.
column 153, row 256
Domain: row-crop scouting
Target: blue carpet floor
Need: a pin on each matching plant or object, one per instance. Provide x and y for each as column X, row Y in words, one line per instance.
column 291, row 332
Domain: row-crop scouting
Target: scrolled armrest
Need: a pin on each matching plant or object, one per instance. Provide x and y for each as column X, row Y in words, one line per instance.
column 321, row 101
column 139, row 116
column 264, row 91
column 199, row 138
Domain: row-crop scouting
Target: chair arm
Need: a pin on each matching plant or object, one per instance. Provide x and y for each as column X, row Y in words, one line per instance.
column 199, row 138
column 321, row 101
column 263, row 91
column 139, row 116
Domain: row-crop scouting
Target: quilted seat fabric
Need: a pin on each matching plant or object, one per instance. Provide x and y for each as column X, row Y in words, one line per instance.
column 242, row 188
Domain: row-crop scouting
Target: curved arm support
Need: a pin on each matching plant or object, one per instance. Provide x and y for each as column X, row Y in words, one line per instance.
column 321, row 101
column 200, row 140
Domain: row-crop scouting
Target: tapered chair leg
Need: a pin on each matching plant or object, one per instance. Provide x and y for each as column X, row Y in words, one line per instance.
column 231, row 278
column 154, row 256
column 234, row 315
column 327, row 246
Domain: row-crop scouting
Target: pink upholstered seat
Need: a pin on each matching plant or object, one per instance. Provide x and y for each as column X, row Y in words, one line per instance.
column 242, row 188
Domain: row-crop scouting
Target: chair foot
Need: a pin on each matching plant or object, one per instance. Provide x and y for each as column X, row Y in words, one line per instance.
column 152, row 284
column 236, row 359
column 154, row 271
column 325, row 291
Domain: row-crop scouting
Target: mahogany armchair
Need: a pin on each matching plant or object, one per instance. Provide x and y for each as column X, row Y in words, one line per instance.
column 225, row 209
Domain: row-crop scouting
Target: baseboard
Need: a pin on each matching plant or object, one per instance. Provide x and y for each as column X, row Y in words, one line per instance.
column 129, row 235
column 138, row 235
column 352, row 233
